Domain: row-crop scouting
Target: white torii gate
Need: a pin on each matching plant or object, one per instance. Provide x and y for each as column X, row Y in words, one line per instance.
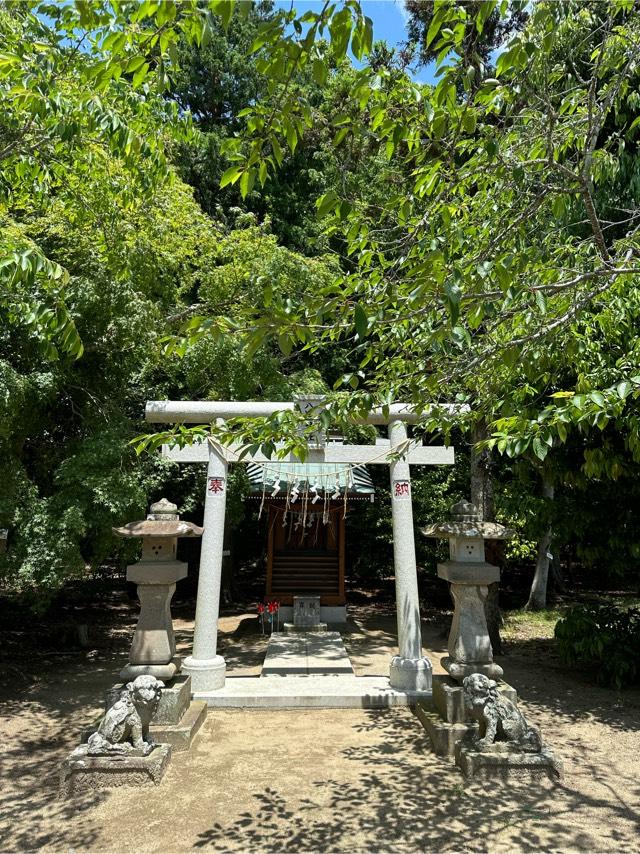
column 409, row 670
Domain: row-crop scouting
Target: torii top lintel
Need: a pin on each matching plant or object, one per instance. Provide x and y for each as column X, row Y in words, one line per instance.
column 205, row 411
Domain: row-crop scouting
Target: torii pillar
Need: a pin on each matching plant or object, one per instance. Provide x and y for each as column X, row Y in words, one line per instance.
column 205, row 667
column 410, row 670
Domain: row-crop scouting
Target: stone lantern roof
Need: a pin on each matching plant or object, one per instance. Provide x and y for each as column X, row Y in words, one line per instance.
column 466, row 522
column 162, row 521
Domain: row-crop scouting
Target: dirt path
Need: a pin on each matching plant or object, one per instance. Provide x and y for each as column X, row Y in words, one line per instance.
column 350, row 780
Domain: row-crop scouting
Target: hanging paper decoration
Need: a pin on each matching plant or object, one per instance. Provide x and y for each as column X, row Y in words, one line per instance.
column 307, row 489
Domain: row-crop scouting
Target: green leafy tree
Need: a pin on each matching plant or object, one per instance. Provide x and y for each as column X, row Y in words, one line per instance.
column 480, row 37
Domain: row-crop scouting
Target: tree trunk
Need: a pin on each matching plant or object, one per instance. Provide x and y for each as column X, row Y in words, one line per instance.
column 557, row 576
column 481, row 480
column 482, row 496
column 538, row 595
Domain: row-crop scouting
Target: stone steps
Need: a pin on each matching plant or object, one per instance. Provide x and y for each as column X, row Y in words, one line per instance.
column 340, row 691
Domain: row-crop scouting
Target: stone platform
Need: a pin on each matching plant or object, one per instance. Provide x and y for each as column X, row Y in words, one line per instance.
column 308, row 671
column 305, row 653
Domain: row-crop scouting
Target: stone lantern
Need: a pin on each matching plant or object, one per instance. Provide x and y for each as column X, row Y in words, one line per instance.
column 469, row 575
column 153, row 647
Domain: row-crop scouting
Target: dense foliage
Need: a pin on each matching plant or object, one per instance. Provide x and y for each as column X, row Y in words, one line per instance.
column 211, row 200
column 603, row 638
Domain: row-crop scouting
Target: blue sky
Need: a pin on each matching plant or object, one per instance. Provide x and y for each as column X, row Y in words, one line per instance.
column 389, row 24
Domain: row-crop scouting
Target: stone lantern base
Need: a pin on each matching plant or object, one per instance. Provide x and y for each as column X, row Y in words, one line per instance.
column 469, row 644
column 153, row 647
column 445, row 718
column 458, row 671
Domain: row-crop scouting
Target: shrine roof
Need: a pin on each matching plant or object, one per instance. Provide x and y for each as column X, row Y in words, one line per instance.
column 356, row 480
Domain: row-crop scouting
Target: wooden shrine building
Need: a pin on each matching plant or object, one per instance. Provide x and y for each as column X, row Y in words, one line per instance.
column 306, row 504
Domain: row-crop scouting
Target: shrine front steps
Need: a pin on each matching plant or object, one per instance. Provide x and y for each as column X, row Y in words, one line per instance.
column 339, row 691
column 308, row 670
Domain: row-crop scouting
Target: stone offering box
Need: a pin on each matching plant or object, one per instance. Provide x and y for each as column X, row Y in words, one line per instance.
column 306, row 616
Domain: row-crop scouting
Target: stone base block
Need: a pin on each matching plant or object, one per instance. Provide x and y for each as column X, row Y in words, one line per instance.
column 292, row 629
column 410, row 674
column 207, row 674
column 181, row 734
column 174, row 702
column 444, row 736
column 83, row 773
column 448, row 698
column 499, row 762
column 459, row 670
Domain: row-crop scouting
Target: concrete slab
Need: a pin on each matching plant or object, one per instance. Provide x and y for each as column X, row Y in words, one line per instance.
column 340, row 691
column 310, row 671
column 303, row 654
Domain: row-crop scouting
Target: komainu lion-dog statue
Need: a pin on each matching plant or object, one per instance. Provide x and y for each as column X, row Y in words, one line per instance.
column 500, row 720
column 125, row 727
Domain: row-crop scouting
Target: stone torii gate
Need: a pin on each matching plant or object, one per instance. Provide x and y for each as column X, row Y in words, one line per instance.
column 410, row 671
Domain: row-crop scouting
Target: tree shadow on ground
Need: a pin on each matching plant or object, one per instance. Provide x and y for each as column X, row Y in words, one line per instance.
column 408, row 799
column 42, row 725
column 565, row 694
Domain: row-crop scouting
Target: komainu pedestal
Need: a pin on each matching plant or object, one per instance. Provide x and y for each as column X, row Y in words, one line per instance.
column 83, row 772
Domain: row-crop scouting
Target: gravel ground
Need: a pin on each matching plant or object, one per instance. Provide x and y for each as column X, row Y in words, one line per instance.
column 322, row 780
